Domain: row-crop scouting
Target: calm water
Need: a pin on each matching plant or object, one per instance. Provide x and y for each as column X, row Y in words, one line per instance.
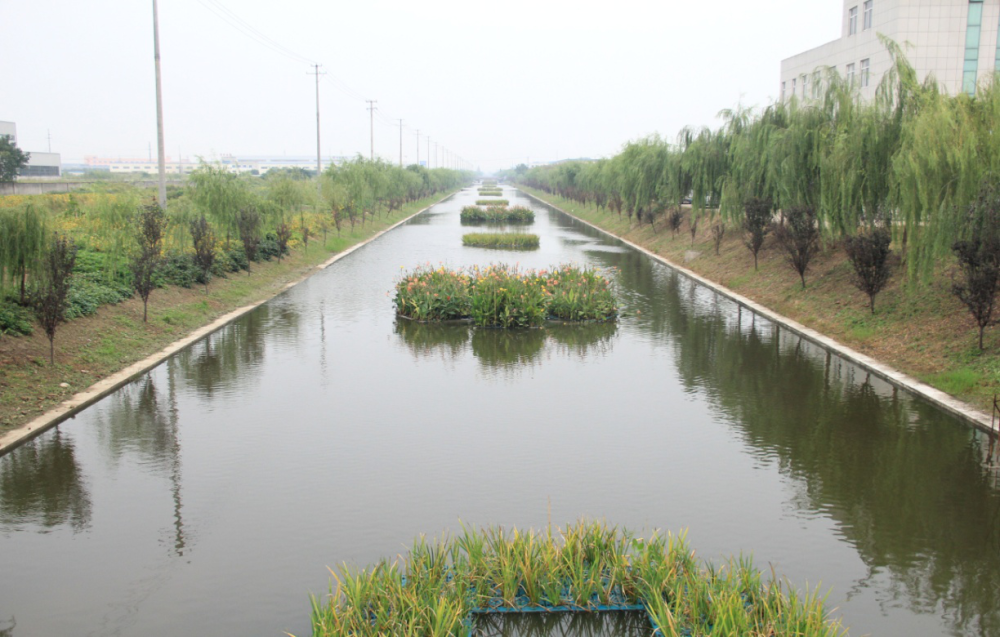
column 209, row 496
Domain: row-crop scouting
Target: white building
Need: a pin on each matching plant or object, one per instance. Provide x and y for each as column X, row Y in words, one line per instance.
column 251, row 164
column 955, row 41
column 39, row 164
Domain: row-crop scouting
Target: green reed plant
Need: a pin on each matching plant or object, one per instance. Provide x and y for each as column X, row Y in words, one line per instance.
column 441, row 585
column 490, row 193
column 503, row 296
column 497, row 214
column 492, row 202
column 505, row 240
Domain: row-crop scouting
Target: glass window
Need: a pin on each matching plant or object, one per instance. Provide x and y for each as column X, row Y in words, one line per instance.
column 971, row 67
column 793, row 87
column 852, row 21
column 865, row 72
column 816, row 85
column 850, row 75
column 867, row 20
column 783, row 85
column 805, row 83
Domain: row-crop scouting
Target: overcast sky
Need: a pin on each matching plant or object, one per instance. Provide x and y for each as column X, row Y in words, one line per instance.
column 495, row 83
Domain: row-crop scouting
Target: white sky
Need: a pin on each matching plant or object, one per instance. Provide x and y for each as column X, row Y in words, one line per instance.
column 495, row 83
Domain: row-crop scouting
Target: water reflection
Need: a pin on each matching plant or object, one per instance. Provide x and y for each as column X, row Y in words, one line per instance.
column 909, row 488
column 506, row 349
column 604, row 624
column 228, row 361
column 41, row 484
column 141, row 422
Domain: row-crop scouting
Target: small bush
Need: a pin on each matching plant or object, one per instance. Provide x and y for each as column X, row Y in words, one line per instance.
column 87, row 293
column 15, row 319
column 869, row 255
column 178, row 269
column 799, row 237
column 517, row 214
column 503, row 240
column 756, row 224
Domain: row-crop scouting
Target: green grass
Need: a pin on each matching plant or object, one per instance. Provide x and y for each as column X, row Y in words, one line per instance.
column 957, row 381
column 504, row 240
column 438, row 587
column 492, row 202
column 497, row 214
column 491, row 193
column 504, row 296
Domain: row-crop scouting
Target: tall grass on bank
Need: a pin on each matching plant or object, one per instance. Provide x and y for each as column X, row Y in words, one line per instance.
column 441, row 585
column 503, row 240
column 505, row 297
column 497, row 214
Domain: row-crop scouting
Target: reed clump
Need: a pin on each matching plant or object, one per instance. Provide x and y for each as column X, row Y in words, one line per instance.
column 442, row 585
column 490, row 192
column 497, row 214
column 492, row 202
column 503, row 296
column 501, row 240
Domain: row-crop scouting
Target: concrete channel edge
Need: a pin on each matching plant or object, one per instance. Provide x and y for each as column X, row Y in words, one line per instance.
column 81, row 400
column 949, row 403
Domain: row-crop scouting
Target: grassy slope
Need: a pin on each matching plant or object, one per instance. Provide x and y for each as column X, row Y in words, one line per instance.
column 923, row 331
column 93, row 347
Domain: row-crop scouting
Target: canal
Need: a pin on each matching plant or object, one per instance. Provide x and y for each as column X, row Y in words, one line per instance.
column 210, row 495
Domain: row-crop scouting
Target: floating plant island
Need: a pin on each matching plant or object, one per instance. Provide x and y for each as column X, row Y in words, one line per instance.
column 442, row 586
column 504, row 296
column 497, row 214
column 492, row 202
column 501, row 240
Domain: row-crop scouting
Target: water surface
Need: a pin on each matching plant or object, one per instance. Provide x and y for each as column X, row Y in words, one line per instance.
column 210, row 495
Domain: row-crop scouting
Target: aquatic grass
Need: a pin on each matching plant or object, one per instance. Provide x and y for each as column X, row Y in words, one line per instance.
column 490, row 192
column 497, row 214
column 441, row 585
column 504, row 240
column 492, row 202
column 503, row 296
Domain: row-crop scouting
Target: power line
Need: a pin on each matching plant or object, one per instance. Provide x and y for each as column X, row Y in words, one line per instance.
column 249, row 31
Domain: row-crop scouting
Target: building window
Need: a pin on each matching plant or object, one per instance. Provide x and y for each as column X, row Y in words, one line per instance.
column 816, row 84
column 867, row 19
column 850, row 75
column 805, row 83
column 793, row 87
column 970, row 67
column 852, row 21
column 865, row 72
column 783, row 85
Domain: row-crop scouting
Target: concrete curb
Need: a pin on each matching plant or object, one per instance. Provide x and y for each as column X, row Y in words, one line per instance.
column 897, row 378
column 80, row 401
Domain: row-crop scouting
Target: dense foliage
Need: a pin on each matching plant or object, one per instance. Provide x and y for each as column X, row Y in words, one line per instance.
column 505, row 240
column 440, row 585
column 913, row 155
column 504, row 296
column 497, row 214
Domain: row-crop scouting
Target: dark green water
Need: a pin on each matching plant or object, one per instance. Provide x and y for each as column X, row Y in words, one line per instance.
column 209, row 496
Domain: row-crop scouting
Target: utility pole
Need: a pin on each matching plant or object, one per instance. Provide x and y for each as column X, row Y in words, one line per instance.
column 319, row 162
column 400, row 143
column 418, row 146
column 371, row 110
column 159, row 109
column 429, row 162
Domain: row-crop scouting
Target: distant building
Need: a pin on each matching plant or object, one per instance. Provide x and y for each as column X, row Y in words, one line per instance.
column 39, row 164
column 253, row 164
column 954, row 41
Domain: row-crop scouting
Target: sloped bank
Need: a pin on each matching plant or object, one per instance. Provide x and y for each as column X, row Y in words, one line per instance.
column 62, row 408
column 950, row 404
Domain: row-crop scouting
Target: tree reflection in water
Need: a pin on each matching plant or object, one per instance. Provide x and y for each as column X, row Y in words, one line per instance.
column 41, row 484
column 603, row 624
column 141, row 422
column 513, row 350
column 910, row 488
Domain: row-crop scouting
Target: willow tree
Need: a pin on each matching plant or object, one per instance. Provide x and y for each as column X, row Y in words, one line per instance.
column 23, row 237
column 220, row 194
